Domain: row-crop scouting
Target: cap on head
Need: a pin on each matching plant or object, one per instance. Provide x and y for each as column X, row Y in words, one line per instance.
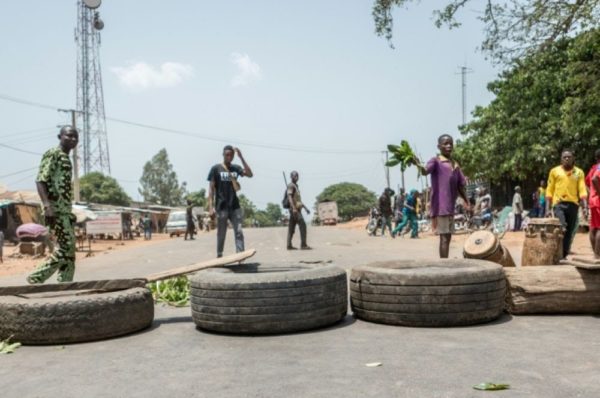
column 517, row 188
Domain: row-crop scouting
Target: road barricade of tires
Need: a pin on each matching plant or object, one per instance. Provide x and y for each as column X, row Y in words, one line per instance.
column 73, row 316
column 267, row 299
column 428, row 293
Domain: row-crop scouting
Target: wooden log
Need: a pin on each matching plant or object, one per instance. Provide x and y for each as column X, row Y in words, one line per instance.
column 556, row 289
column 103, row 285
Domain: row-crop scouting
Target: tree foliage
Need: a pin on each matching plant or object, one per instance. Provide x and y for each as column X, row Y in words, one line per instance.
column 159, row 182
column 547, row 102
column 198, row 198
column 270, row 216
column 248, row 209
column 513, row 28
column 96, row 187
column 352, row 199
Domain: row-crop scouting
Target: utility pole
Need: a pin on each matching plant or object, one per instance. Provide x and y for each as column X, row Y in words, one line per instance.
column 387, row 169
column 76, row 191
column 463, row 72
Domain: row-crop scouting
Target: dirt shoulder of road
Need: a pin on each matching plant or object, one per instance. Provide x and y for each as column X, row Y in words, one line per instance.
column 16, row 263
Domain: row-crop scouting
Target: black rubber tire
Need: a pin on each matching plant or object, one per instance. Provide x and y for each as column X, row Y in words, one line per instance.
column 266, row 299
column 69, row 318
column 429, row 293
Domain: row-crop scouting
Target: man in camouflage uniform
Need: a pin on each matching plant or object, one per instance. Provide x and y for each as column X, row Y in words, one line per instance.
column 55, row 189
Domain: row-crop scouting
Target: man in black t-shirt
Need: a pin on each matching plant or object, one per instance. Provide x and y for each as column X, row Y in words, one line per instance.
column 223, row 200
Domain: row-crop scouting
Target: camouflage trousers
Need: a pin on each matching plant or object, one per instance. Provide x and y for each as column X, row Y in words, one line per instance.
column 63, row 258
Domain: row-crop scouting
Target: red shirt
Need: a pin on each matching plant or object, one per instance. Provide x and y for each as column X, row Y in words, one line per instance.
column 594, row 196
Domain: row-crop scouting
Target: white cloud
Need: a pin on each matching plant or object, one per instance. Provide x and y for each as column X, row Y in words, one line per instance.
column 247, row 70
column 142, row 75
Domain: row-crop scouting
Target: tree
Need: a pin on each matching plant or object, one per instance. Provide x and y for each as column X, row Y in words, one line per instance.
column 547, row 102
column 270, row 217
column 159, row 182
column 352, row 199
column 198, row 198
column 513, row 28
column 248, row 209
column 96, row 187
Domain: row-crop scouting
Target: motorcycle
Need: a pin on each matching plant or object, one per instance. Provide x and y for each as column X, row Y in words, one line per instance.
column 375, row 222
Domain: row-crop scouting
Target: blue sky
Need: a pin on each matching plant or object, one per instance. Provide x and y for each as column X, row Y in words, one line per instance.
column 308, row 74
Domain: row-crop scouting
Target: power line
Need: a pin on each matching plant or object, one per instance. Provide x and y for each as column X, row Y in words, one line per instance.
column 27, row 177
column 20, row 150
column 21, row 133
column 204, row 136
column 19, row 172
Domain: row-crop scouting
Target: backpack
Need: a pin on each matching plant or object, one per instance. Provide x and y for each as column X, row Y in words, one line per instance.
column 285, row 203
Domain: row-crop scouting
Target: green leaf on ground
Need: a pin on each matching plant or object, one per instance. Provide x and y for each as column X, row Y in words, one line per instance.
column 6, row 347
column 491, row 387
column 174, row 291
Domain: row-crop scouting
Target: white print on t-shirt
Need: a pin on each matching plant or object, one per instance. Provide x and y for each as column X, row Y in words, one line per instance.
column 225, row 175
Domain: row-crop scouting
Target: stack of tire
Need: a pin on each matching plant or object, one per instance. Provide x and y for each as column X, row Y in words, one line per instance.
column 268, row 299
column 428, row 293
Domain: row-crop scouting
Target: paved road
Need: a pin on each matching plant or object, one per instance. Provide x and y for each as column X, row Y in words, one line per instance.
column 539, row 356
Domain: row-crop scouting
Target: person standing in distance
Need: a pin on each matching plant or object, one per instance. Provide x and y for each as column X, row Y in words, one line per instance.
column 189, row 220
column 517, row 208
column 447, row 183
column 566, row 189
column 593, row 182
column 54, row 185
column 296, row 218
column 223, row 200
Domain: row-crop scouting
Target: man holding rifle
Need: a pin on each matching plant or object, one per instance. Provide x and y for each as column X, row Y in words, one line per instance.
column 295, row 205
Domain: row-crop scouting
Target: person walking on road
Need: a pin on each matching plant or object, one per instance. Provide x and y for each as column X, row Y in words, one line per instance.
column 541, row 197
column 189, row 219
column 385, row 209
column 223, row 200
column 566, row 191
column 409, row 216
column 54, row 185
column 147, row 225
column 517, row 208
column 447, row 183
column 399, row 207
column 593, row 182
column 296, row 218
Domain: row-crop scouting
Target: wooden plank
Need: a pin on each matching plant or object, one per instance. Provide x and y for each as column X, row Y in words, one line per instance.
column 122, row 284
column 577, row 264
column 103, row 285
column 558, row 289
column 217, row 262
column 586, row 260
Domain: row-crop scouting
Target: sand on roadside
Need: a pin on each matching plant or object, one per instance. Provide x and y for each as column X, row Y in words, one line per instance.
column 15, row 263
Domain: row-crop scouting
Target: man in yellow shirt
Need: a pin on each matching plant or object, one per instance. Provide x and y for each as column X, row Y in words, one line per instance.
column 566, row 189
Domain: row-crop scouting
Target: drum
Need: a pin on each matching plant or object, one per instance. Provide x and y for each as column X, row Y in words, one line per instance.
column 484, row 245
column 543, row 242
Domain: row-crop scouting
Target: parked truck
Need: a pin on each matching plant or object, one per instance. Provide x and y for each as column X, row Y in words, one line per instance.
column 328, row 213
